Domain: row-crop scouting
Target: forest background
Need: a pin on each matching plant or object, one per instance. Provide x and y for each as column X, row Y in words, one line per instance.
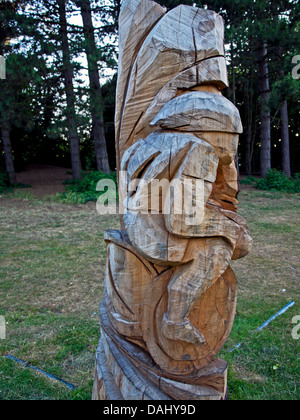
column 57, row 101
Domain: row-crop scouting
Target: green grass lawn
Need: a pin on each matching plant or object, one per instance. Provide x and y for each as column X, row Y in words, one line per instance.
column 52, row 261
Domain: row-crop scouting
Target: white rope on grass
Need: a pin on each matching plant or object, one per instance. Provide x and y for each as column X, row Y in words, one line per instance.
column 282, row 311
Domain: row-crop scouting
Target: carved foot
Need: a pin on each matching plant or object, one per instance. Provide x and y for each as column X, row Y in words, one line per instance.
column 184, row 331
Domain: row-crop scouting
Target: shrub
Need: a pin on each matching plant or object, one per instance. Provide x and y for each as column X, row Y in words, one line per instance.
column 278, row 181
column 250, row 180
column 5, row 185
column 84, row 190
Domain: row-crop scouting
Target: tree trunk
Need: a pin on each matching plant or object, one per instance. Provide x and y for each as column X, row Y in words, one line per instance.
column 95, row 89
column 265, row 114
column 248, row 144
column 249, row 130
column 237, row 164
column 8, row 154
column 284, row 114
column 285, row 139
column 68, row 78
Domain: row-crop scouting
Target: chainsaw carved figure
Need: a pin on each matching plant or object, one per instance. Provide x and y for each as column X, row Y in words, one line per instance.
column 170, row 293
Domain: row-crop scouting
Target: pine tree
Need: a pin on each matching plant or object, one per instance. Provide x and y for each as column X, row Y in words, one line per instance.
column 7, row 111
column 68, row 78
column 256, row 31
column 265, row 113
column 96, row 101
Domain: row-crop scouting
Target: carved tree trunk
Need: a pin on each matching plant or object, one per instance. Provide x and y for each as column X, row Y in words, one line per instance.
column 170, row 293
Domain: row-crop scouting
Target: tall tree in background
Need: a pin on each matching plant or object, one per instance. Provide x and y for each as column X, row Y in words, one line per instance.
column 282, row 98
column 39, row 117
column 284, row 113
column 16, row 102
column 253, row 29
column 7, row 10
column 285, row 138
column 265, row 113
column 68, row 78
column 284, row 39
column 9, row 162
column 96, row 101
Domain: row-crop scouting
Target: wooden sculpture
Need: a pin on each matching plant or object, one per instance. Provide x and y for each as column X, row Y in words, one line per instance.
column 170, row 294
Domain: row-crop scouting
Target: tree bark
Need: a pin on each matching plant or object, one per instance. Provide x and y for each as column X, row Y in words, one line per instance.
column 285, row 139
column 9, row 163
column 68, row 78
column 237, row 164
column 95, row 89
column 249, row 130
column 248, row 143
column 265, row 114
column 284, row 114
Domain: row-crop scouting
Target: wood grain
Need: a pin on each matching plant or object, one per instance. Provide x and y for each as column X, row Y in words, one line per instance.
column 169, row 291
column 181, row 39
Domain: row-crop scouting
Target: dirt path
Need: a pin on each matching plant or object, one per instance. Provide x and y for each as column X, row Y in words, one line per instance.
column 44, row 179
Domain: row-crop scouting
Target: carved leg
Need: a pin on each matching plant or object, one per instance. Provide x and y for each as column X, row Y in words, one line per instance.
column 211, row 258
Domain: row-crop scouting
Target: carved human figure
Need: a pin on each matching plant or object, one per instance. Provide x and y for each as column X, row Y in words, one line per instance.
column 170, row 293
column 200, row 254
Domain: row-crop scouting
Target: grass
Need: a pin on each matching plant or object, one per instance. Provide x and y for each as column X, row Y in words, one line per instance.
column 266, row 366
column 52, row 260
